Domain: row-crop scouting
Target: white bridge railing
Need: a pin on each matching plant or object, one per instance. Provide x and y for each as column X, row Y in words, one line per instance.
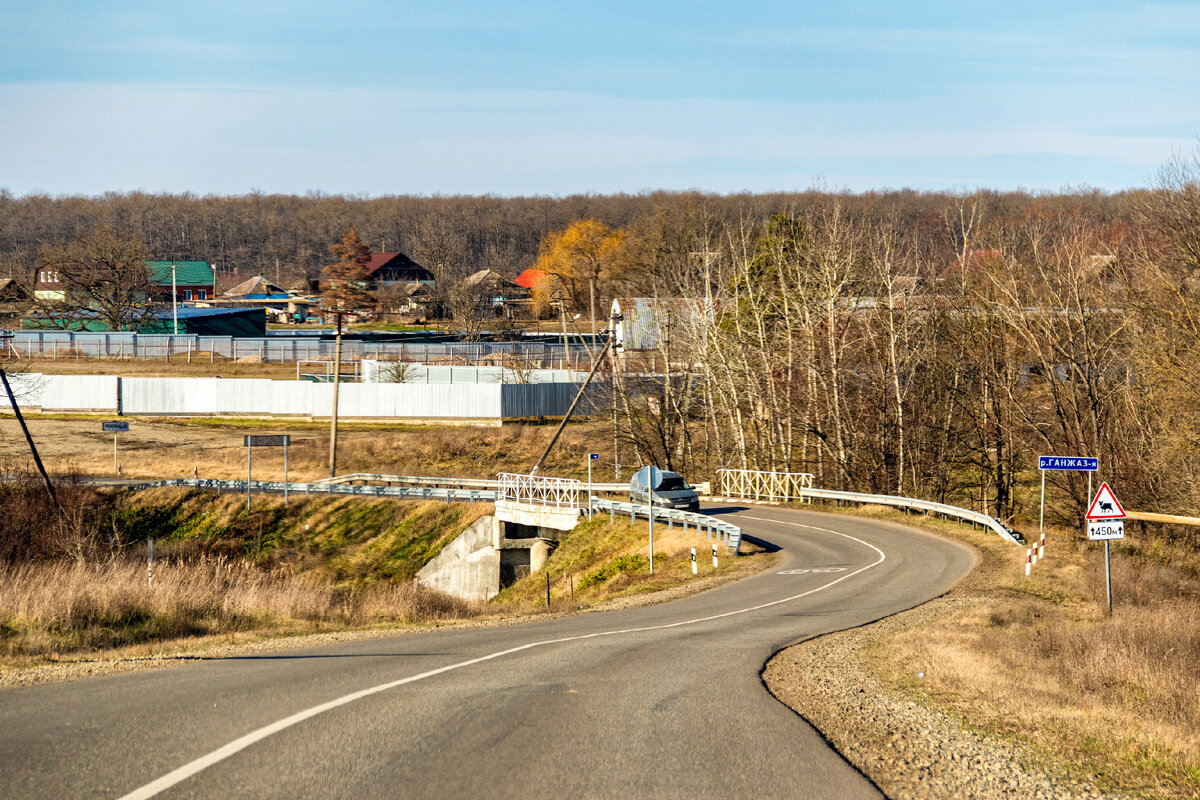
column 540, row 491
column 776, row 487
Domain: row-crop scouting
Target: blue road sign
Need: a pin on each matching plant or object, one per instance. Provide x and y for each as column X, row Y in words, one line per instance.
column 594, row 456
column 1070, row 463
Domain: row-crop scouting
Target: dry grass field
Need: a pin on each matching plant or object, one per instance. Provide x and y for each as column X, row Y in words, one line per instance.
column 1037, row 660
column 212, row 448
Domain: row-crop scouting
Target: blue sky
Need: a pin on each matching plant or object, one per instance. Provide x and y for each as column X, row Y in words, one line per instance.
column 553, row 98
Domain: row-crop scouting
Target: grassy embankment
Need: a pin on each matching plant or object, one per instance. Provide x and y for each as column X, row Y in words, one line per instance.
column 1037, row 661
column 319, row 564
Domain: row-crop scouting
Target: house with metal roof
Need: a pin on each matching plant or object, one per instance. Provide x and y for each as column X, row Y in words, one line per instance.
column 389, row 269
column 492, row 290
column 258, row 292
column 193, row 280
column 14, row 300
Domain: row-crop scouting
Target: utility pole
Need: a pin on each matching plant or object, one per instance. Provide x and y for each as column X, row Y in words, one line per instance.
column 37, row 460
column 174, row 301
column 337, row 380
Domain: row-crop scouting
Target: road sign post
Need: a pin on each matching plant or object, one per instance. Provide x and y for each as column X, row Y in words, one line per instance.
column 651, row 477
column 1105, row 522
column 1088, row 464
column 265, row 441
column 591, row 457
column 114, row 428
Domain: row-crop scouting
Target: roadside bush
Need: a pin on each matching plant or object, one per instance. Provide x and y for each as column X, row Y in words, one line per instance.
column 31, row 527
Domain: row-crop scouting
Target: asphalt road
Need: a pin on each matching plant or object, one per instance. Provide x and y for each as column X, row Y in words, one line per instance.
column 661, row 701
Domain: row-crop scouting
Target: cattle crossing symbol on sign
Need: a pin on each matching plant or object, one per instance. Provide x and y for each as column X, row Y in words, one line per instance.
column 1105, row 505
column 1105, row 522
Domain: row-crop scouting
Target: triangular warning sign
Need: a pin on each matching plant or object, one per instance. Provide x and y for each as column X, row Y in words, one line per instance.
column 1105, row 506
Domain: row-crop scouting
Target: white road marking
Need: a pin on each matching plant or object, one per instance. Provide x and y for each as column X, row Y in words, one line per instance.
column 189, row 769
column 812, row 571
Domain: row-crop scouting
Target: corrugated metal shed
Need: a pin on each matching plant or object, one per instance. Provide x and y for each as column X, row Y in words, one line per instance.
column 648, row 323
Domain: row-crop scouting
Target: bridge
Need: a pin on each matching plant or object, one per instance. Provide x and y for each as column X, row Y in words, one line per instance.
column 533, row 513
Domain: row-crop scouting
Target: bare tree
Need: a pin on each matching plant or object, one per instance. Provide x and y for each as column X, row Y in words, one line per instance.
column 100, row 276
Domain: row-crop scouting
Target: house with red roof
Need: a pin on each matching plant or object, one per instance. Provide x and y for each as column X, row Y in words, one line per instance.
column 530, row 278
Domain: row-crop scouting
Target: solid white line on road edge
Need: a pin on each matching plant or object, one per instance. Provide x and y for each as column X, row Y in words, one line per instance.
column 237, row 745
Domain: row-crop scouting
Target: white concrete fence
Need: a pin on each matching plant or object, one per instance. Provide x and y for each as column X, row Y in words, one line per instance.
column 259, row 397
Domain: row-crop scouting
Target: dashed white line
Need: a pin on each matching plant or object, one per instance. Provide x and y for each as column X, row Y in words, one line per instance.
column 189, row 769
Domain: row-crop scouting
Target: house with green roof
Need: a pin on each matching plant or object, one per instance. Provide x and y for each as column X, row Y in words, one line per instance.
column 193, row 280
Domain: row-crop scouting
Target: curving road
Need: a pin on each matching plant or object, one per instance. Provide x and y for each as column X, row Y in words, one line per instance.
column 661, row 701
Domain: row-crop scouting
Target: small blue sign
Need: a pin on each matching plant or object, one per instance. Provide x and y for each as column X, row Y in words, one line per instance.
column 594, row 456
column 1070, row 463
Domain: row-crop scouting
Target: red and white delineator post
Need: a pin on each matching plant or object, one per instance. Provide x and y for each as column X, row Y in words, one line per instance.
column 1028, row 561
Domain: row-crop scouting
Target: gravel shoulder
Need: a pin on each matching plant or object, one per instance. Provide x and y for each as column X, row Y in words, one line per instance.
column 910, row 751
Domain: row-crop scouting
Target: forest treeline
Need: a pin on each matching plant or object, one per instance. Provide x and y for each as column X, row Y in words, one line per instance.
column 927, row 344
column 288, row 236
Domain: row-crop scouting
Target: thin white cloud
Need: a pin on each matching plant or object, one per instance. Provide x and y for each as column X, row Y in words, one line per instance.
column 90, row 139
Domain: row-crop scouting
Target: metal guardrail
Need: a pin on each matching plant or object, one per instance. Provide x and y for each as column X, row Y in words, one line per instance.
column 724, row 531
column 993, row 524
column 420, row 493
column 413, row 480
column 462, row 483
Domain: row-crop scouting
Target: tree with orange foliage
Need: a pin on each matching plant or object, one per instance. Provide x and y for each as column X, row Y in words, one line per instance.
column 579, row 262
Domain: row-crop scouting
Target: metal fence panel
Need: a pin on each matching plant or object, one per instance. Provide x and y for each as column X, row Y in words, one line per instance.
column 275, row 349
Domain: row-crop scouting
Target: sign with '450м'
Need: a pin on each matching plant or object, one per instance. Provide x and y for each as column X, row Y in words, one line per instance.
column 1106, row 517
column 1103, row 529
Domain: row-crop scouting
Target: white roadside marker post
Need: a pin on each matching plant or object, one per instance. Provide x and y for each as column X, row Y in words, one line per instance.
column 693, row 561
column 1042, row 545
column 1028, row 561
column 714, row 547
